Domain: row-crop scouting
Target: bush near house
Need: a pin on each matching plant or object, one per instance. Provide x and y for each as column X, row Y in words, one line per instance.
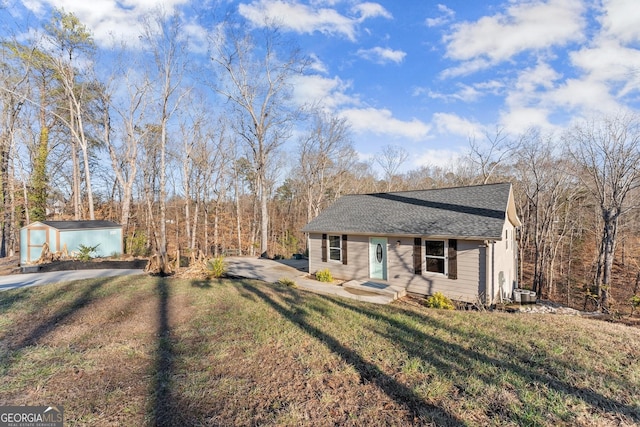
column 438, row 300
column 324, row 276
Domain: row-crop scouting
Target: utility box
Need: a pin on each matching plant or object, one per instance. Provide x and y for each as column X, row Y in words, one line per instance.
column 107, row 235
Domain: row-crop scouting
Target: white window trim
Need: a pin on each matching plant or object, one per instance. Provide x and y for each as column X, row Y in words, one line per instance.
column 445, row 257
column 329, row 247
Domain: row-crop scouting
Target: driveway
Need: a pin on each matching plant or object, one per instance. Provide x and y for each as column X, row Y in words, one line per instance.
column 15, row 281
column 266, row 270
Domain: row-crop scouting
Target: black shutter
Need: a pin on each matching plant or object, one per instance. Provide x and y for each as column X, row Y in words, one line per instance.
column 453, row 259
column 417, row 255
column 344, row 249
column 324, row 248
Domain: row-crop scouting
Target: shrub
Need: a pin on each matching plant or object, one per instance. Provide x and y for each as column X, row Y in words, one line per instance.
column 136, row 244
column 438, row 300
column 287, row 282
column 216, row 268
column 85, row 253
column 324, row 275
column 635, row 303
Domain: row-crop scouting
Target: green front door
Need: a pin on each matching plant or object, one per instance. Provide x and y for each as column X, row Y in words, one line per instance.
column 378, row 258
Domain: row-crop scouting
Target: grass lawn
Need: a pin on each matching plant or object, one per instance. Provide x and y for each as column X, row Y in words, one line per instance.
column 151, row 351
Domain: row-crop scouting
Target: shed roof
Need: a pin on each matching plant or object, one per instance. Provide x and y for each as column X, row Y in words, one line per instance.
column 471, row 212
column 81, row 225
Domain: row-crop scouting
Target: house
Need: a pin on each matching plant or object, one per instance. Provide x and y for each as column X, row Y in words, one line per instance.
column 107, row 235
column 459, row 241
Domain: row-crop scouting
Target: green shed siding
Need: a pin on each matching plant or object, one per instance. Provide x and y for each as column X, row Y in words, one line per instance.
column 105, row 234
column 109, row 241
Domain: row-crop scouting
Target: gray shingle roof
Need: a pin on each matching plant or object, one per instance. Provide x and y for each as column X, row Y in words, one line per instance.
column 472, row 212
column 80, row 225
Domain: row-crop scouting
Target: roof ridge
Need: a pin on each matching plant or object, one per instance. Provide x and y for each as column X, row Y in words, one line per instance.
column 429, row 189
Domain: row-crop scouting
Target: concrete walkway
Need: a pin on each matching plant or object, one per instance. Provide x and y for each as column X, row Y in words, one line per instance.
column 271, row 271
column 15, row 281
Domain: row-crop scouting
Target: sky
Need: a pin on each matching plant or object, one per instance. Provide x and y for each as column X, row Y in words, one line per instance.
column 427, row 76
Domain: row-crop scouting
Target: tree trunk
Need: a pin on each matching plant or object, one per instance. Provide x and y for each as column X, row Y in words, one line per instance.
column 238, row 210
column 264, row 223
column 608, row 245
column 87, row 178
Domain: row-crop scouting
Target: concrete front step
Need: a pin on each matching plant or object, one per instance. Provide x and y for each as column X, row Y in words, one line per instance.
column 376, row 288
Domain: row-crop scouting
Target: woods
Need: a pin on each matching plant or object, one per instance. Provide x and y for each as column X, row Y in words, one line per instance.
column 215, row 155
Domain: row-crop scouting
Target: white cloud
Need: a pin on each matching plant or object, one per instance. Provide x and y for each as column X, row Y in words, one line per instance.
column 109, row 21
column 382, row 122
column 446, row 16
column 371, row 10
column 465, row 93
column 584, row 95
column 610, row 63
column 443, row 158
column 452, row 124
column 531, row 87
column 620, row 20
column 317, row 65
column 381, row 55
column 329, row 92
column 530, row 25
column 306, row 19
column 465, row 68
column 518, row 120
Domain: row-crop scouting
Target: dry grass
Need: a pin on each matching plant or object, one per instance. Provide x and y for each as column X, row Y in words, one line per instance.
column 153, row 351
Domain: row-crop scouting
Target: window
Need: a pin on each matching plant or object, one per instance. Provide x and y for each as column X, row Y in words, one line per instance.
column 506, row 238
column 335, row 248
column 435, row 254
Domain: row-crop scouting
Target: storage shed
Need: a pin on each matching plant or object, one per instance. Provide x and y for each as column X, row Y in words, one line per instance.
column 56, row 234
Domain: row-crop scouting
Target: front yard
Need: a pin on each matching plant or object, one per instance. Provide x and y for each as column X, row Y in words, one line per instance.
column 156, row 351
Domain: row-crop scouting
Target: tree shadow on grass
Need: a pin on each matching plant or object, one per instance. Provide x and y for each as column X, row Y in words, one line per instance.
column 456, row 361
column 167, row 407
column 12, row 297
column 163, row 411
column 368, row 372
column 56, row 319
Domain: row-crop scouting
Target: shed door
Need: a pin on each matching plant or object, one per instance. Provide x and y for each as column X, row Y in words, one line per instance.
column 36, row 237
column 378, row 258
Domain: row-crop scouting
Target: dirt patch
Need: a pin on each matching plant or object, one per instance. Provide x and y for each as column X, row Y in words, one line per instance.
column 9, row 265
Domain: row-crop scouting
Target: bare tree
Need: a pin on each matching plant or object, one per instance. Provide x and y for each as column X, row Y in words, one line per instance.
column 607, row 157
column 548, row 194
column 70, row 37
column 256, row 70
column 390, row 159
column 11, row 78
column 488, row 157
column 325, row 152
column 168, row 48
column 131, row 110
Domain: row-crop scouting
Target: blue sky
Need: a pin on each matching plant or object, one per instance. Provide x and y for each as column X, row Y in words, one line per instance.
column 428, row 75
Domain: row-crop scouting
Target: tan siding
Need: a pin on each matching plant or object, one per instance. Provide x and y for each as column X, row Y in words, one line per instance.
column 471, row 268
column 357, row 258
column 465, row 288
